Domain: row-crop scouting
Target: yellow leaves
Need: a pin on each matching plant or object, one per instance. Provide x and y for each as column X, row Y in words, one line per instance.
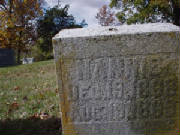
column 1, row 36
column 2, row 14
column 3, row 39
column 25, row 1
column 9, row 23
column 15, row 27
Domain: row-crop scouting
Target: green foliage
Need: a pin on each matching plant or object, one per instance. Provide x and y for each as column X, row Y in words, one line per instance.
column 121, row 16
column 39, row 55
column 54, row 20
column 142, row 11
column 113, row 3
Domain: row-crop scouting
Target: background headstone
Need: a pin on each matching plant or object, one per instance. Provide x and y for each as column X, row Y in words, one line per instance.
column 27, row 60
column 7, row 57
column 119, row 80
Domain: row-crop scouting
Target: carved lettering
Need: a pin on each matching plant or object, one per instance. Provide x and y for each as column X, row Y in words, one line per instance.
column 116, row 89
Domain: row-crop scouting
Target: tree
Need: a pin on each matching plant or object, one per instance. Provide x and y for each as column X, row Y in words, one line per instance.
column 17, row 24
column 105, row 16
column 141, row 11
column 54, row 20
column 83, row 23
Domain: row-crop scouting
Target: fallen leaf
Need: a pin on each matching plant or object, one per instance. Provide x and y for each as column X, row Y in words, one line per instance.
column 9, row 111
column 56, row 90
column 43, row 116
column 42, row 72
column 52, row 107
column 41, row 96
column 23, row 114
column 35, row 116
column 25, row 98
column 14, row 106
column 16, row 88
column 7, row 103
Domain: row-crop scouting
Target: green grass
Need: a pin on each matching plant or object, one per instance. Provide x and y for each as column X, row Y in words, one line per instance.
column 26, row 92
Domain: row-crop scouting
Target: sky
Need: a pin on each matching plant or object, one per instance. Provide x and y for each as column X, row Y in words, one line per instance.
column 82, row 9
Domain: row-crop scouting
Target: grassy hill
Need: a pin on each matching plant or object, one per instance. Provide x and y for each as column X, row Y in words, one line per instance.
column 29, row 99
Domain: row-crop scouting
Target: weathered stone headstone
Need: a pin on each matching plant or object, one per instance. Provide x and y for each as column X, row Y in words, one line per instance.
column 27, row 60
column 6, row 57
column 119, row 80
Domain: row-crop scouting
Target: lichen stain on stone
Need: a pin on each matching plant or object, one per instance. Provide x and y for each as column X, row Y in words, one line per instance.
column 167, row 73
column 54, row 42
column 172, row 35
column 65, row 104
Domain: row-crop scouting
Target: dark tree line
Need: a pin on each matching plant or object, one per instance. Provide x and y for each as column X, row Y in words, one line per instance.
column 54, row 20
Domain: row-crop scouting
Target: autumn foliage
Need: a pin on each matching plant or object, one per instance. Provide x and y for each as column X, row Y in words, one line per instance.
column 105, row 16
column 17, row 24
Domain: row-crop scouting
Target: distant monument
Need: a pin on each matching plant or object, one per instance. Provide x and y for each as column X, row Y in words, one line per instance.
column 7, row 57
column 119, row 80
column 27, row 60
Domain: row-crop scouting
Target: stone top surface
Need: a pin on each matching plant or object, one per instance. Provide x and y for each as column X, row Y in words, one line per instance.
column 117, row 30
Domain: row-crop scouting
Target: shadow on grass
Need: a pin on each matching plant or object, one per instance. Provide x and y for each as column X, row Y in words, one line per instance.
column 51, row 126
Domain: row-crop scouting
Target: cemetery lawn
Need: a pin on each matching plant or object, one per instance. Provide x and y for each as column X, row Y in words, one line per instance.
column 29, row 100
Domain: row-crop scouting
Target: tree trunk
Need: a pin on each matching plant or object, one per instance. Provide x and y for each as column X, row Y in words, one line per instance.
column 176, row 15
column 18, row 56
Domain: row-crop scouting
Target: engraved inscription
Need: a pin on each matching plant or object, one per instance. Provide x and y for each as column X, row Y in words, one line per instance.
column 122, row 89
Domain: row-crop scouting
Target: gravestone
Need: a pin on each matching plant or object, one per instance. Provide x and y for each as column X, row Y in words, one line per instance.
column 6, row 57
column 27, row 60
column 119, row 80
